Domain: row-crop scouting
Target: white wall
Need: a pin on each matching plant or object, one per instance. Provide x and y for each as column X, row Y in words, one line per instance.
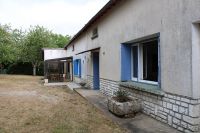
column 196, row 59
column 138, row 18
column 54, row 53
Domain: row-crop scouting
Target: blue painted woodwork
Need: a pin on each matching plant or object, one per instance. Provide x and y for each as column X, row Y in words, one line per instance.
column 77, row 67
column 125, row 62
column 96, row 71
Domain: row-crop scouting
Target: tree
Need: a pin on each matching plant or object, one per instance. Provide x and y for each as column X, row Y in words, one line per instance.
column 19, row 46
column 36, row 39
column 60, row 40
column 10, row 41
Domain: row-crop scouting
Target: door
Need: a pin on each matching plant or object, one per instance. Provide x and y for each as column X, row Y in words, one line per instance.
column 96, row 70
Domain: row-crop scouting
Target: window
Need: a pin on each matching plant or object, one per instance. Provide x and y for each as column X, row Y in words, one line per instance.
column 145, row 61
column 94, row 33
column 135, row 62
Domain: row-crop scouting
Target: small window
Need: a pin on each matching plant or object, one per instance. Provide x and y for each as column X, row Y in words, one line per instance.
column 145, row 61
column 73, row 48
column 94, row 33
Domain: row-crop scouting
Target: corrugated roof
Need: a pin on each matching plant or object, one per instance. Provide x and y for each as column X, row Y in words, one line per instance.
column 108, row 6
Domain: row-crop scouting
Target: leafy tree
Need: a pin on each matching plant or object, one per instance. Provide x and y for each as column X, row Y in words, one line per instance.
column 10, row 41
column 60, row 40
column 36, row 39
column 19, row 46
column 18, row 43
column 5, row 44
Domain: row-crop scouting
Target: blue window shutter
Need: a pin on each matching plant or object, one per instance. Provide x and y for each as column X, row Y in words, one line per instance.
column 79, row 62
column 75, row 67
column 125, row 62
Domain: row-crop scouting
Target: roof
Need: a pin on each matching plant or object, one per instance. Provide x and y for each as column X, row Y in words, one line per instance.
column 105, row 9
column 53, row 49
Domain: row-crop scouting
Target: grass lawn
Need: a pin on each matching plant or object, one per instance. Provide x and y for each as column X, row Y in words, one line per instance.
column 26, row 106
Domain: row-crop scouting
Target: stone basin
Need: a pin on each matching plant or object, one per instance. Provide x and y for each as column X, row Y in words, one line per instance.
column 124, row 109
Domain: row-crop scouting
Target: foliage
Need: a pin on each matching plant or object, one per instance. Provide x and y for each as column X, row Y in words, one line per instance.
column 9, row 40
column 20, row 68
column 23, row 68
column 60, row 40
column 121, row 96
column 19, row 46
column 36, row 39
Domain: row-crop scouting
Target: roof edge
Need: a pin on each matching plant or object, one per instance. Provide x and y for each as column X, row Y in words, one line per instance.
column 53, row 49
column 93, row 19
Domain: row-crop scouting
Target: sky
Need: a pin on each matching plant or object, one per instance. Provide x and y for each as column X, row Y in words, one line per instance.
column 64, row 17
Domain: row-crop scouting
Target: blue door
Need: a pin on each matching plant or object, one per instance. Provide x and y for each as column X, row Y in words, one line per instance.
column 96, row 71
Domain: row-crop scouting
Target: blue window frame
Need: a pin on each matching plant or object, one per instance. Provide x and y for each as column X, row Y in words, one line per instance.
column 140, row 60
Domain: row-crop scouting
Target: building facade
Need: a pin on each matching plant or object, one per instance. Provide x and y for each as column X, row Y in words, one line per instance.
column 151, row 48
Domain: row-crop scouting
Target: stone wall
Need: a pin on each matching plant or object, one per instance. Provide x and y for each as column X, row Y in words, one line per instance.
column 179, row 112
column 107, row 87
column 89, row 81
column 77, row 79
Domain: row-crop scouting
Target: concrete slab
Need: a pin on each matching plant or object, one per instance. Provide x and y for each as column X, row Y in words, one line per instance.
column 139, row 124
column 56, row 84
column 72, row 85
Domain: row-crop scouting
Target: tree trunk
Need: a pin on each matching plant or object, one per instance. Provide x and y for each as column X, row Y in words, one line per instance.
column 34, row 70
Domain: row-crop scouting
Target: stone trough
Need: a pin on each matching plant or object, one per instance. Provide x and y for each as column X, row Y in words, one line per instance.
column 124, row 109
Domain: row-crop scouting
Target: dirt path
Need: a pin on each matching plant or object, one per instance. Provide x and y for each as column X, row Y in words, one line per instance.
column 26, row 106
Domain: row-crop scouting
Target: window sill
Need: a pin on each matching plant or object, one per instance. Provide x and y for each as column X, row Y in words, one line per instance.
column 149, row 88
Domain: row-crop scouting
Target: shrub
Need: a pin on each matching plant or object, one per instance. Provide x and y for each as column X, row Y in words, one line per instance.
column 121, row 96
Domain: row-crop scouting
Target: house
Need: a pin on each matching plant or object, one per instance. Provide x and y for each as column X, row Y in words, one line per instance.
column 150, row 48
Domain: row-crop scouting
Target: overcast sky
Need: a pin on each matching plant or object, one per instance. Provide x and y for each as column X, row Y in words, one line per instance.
column 60, row 16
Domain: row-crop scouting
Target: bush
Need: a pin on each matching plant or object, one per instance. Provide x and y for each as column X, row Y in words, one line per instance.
column 121, row 96
column 3, row 71
column 24, row 69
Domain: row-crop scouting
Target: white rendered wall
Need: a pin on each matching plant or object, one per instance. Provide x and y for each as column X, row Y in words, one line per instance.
column 196, row 59
column 54, row 54
column 138, row 18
